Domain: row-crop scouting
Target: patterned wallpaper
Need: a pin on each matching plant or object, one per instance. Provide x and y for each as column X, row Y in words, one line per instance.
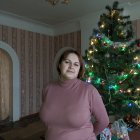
column 68, row 40
column 136, row 28
column 36, row 53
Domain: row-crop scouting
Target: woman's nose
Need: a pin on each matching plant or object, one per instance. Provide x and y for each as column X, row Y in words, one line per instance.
column 71, row 65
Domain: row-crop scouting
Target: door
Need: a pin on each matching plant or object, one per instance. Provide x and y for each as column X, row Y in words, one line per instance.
column 5, row 85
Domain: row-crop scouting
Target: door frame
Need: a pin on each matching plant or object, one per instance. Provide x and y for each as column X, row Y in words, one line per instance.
column 16, row 106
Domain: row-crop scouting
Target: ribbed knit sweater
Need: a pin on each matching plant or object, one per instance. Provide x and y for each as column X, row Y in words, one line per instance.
column 67, row 109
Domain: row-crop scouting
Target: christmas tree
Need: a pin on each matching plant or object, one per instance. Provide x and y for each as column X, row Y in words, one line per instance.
column 112, row 63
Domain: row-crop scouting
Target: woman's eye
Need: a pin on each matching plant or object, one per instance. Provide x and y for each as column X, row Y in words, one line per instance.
column 77, row 65
column 67, row 62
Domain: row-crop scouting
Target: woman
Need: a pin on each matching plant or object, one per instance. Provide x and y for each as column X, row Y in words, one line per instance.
column 69, row 103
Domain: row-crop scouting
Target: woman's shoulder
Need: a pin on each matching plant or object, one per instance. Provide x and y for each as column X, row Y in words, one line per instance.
column 91, row 89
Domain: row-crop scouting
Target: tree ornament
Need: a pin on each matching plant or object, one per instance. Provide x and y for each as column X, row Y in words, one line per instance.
column 104, row 43
column 90, row 50
column 129, row 90
column 123, row 33
column 98, row 35
column 119, row 19
column 138, row 89
column 114, row 13
column 88, row 80
column 89, row 56
column 90, row 74
column 102, row 26
column 93, row 41
column 138, row 42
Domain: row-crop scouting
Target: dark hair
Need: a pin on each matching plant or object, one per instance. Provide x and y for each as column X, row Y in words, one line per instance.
column 64, row 55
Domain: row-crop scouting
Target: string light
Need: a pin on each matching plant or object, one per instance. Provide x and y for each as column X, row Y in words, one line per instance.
column 129, row 90
column 102, row 26
column 93, row 41
column 136, row 58
column 88, row 80
column 138, row 89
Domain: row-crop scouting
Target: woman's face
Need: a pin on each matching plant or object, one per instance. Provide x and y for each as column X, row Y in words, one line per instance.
column 69, row 67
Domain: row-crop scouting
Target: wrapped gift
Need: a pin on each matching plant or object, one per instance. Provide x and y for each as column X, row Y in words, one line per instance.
column 106, row 134
column 119, row 130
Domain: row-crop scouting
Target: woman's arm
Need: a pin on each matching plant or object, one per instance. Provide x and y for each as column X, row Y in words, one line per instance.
column 98, row 110
column 42, row 112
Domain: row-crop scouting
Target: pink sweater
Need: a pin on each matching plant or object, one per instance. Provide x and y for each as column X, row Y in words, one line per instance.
column 67, row 109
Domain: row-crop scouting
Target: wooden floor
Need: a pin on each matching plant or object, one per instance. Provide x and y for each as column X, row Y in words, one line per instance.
column 135, row 134
column 33, row 131
column 29, row 128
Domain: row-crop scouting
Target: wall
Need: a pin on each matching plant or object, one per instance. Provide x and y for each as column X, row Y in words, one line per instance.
column 136, row 27
column 25, row 24
column 72, row 39
column 67, row 27
column 36, row 53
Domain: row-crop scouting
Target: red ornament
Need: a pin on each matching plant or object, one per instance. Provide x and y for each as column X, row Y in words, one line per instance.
column 138, row 42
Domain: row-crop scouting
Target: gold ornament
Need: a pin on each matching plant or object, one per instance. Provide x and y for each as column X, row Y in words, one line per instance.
column 90, row 50
column 102, row 25
column 93, row 41
column 89, row 56
column 114, row 13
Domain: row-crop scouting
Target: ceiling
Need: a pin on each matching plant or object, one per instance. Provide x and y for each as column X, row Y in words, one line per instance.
column 41, row 11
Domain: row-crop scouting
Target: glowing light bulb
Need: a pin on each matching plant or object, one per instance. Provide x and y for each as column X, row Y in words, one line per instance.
column 138, row 89
column 129, row 90
column 136, row 58
column 102, row 26
column 130, row 105
column 88, row 80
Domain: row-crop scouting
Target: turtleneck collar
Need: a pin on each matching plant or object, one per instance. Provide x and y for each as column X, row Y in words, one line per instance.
column 68, row 83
